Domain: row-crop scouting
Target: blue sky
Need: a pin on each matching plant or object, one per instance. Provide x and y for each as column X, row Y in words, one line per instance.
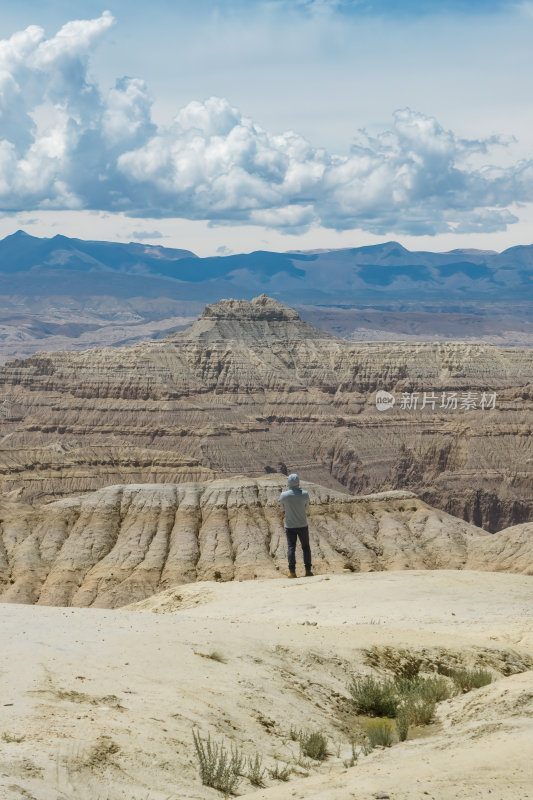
column 231, row 126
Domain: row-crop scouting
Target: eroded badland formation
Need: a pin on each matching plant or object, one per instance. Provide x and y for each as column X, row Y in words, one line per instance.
column 137, row 507
column 250, row 388
column 122, row 544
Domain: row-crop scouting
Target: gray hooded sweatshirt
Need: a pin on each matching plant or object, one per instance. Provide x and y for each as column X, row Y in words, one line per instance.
column 294, row 502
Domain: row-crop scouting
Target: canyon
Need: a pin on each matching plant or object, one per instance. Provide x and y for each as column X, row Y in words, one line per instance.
column 249, row 388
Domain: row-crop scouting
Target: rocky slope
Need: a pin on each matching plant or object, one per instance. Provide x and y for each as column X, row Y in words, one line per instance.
column 124, row 543
column 250, row 388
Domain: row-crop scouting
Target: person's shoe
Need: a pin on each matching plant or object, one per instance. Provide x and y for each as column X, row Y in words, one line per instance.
column 292, row 575
column 309, row 573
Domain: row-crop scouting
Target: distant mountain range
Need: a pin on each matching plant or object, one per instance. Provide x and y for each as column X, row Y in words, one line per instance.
column 386, row 276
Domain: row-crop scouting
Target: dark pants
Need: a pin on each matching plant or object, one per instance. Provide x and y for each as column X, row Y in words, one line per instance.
column 303, row 535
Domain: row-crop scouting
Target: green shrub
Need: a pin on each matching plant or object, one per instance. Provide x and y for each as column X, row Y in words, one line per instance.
column 314, row 745
column 379, row 733
column 280, row 774
column 403, row 720
column 256, row 772
column 435, row 688
column 468, row 679
column 375, row 698
column 218, row 768
column 432, row 687
column 420, row 710
column 295, row 734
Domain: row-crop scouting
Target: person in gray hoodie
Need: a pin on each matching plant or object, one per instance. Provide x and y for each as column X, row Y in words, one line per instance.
column 295, row 502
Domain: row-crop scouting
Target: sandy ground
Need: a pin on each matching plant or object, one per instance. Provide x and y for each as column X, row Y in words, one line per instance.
column 100, row 705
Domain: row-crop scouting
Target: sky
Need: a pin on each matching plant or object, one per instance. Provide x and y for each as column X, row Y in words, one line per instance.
column 226, row 126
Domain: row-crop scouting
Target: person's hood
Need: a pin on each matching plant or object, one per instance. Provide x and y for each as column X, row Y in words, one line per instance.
column 293, row 481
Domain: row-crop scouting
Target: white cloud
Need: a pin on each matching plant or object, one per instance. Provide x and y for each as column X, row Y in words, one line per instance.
column 143, row 235
column 66, row 145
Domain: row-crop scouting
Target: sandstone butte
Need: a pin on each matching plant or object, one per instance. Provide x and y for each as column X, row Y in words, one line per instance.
column 251, row 389
column 123, row 544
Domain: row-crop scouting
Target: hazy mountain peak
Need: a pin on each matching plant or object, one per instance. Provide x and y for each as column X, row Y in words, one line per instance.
column 20, row 234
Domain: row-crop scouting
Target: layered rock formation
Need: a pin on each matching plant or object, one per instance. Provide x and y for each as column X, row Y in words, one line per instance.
column 249, row 388
column 124, row 543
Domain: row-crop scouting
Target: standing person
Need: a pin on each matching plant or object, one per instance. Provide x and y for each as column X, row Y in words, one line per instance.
column 294, row 502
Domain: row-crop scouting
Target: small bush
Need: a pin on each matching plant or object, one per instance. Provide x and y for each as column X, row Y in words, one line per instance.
column 434, row 687
column 280, row 774
column 420, row 710
column 314, row 745
column 214, row 655
column 218, row 768
column 295, row 734
column 375, row 698
column 379, row 733
column 12, row 737
column 256, row 772
column 350, row 762
column 403, row 720
column 468, row 679
column 303, row 762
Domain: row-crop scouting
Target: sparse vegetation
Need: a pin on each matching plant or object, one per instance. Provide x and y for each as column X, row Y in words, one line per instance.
column 256, row 771
column 435, row 687
column 295, row 734
column 402, row 663
column 408, row 696
column 314, row 745
column 413, row 697
column 351, row 762
column 403, row 721
column 468, row 679
column 420, row 710
column 73, row 696
column 280, row 773
column 374, row 697
column 12, row 737
column 101, row 751
column 303, row 762
column 219, row 768
column 379, row 732
column 214, row 655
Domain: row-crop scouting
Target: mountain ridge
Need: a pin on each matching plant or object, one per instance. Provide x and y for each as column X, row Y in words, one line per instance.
column 365, row 274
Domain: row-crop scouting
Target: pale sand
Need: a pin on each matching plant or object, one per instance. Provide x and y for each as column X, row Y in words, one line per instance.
column 76, row 676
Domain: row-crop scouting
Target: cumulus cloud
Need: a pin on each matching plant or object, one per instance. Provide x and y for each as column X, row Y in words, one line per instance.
column 64, row 144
